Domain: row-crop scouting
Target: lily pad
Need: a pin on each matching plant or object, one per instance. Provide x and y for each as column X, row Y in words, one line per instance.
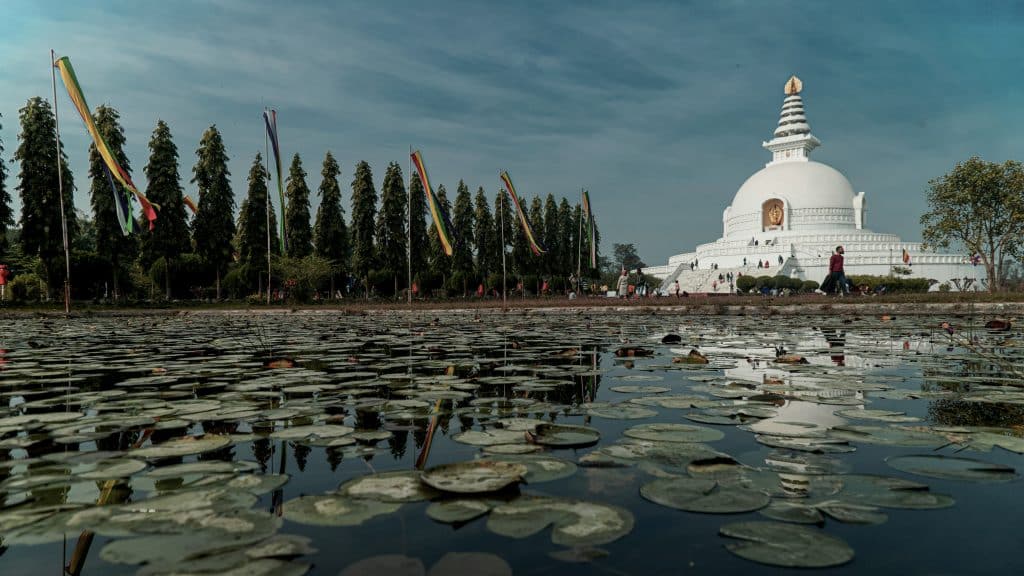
column 574, row 522
column 390, row 564
column 564, row 435
column 475, row 476
column 184, row 446
column 794, row 512
column 458, row 510
column 470, row 564
column 395, row 487
column 952, row 468
column 489, row 437
column 674, row 433
column 335, row 510
column 703, row 495
column 623, row 411
column 786, row 545
column 639, row 389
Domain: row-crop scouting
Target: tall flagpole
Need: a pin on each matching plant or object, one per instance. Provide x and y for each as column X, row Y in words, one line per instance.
column 504, row 286
column 579, row 243
column 266, row 163
column 408, row 238
column 60, row 191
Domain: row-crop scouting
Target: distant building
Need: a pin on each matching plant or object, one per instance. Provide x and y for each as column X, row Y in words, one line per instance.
column 793, row 213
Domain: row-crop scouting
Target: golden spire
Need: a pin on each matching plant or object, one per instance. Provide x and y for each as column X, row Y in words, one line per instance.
column 793, row 86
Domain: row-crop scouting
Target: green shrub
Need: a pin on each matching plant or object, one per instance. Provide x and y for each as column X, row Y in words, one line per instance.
column 26, row 287
column 944, row 287
column 892, row 285
column 808, row 286
column 745, row 283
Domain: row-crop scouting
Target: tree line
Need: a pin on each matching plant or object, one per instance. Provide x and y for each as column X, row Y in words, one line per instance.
column 220, row 253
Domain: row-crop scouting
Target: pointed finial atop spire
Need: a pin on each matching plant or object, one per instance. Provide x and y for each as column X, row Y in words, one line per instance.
column 793, row 86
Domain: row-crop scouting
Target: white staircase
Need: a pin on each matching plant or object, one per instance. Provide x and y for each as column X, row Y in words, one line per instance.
column 703, row 281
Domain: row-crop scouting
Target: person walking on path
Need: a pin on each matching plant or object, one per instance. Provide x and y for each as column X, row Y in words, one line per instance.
column 675, row 288
column 621, row 289
column 836, row 273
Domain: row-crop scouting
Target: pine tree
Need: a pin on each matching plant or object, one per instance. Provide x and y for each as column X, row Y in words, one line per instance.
column 299, row 243
column 215, row 222
column 552, row 261
column 252, row 222
column 330, row 232
column 483, row 237
column 169, row 238
column 536, row 215
column 391, row 240
column 6, row 214
column 41, row 229
column 462, row 221
column 504, row 225
column 418, row 246
column 567, row 238
column 438, row 261
column 112, row 245
column 364, row 210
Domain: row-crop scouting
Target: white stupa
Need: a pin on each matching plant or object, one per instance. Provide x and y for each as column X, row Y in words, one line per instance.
column 792, row 214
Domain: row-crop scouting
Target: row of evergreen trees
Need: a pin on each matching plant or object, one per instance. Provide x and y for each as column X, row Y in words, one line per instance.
column 368, row 254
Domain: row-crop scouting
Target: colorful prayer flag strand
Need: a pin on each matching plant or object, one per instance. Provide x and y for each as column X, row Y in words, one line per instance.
column 441, row 222
column 67, row 75
column 531, row 238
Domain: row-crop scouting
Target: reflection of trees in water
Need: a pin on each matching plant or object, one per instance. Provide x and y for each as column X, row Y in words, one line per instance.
column 301, row 454
column 334, row 457
column 397, row 442
column 953, row 412
column 262, row 450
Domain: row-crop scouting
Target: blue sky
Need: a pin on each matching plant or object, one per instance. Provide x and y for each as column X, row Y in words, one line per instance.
column 658, row 108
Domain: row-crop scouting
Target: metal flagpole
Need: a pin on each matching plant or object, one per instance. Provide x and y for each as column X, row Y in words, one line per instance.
column 266, row 163
column 408, row 238
column 504, row 286
column 579, row 245
column 60, row 191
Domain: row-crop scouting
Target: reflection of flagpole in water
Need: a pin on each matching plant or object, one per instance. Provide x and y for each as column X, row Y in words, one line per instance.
column 421, row 460
column 277, row 498
column 78, row 557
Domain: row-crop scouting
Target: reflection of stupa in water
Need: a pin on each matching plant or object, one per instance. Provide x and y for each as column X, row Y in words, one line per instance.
column 792, row 214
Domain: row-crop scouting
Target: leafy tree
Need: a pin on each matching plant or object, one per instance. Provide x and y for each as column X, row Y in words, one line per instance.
column 979, row 207
column 364, row 209
column 299, row 236
column 391, row 241
column 169, row 238
column 214, row 224
column 418, row 246
column 438, row 261
column 462, row 221
column 6, row 214
column 483, row 237
column 330, row 232
column 555, row 257
column 625, row 256
column 113, row 247
column 252, row 222
column 41, row 229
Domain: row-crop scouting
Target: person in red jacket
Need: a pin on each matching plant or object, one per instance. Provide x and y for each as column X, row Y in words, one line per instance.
column 835, row 269
column 4, row 275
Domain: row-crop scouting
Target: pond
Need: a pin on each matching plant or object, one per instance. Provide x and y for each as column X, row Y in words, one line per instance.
column 567, row 442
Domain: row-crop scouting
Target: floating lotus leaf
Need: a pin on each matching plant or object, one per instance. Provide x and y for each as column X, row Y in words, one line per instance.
column 884, row 491
column 673, row 401
column 398, row 487
column 564, row 435
column 622, row 412
column 471, row 477
column 714, row 419
column 317, row 431
column 877, row 415
column 335, row 510
column 470, row 564
column 640, row 389
column 793, row 512
column 985, row 441
column 512, row 449
column 852, row 513
column 816, row 445
column 786, row 545
column 773, row 427
column 389, row 564
column 490, row 437
column 575, row 523
column 371, row 435
column 703, row 495
column 458, row 510
column 889, row 436
column 202, row 467
column 519, row 424
column 674, row 433
column 540, row 468
column 184, row 446
column 952, row 468
column 282, row 546
column 579, row 554
column 112, row 469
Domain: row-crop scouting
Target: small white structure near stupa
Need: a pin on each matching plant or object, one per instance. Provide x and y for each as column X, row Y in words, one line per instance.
column 792, row 214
